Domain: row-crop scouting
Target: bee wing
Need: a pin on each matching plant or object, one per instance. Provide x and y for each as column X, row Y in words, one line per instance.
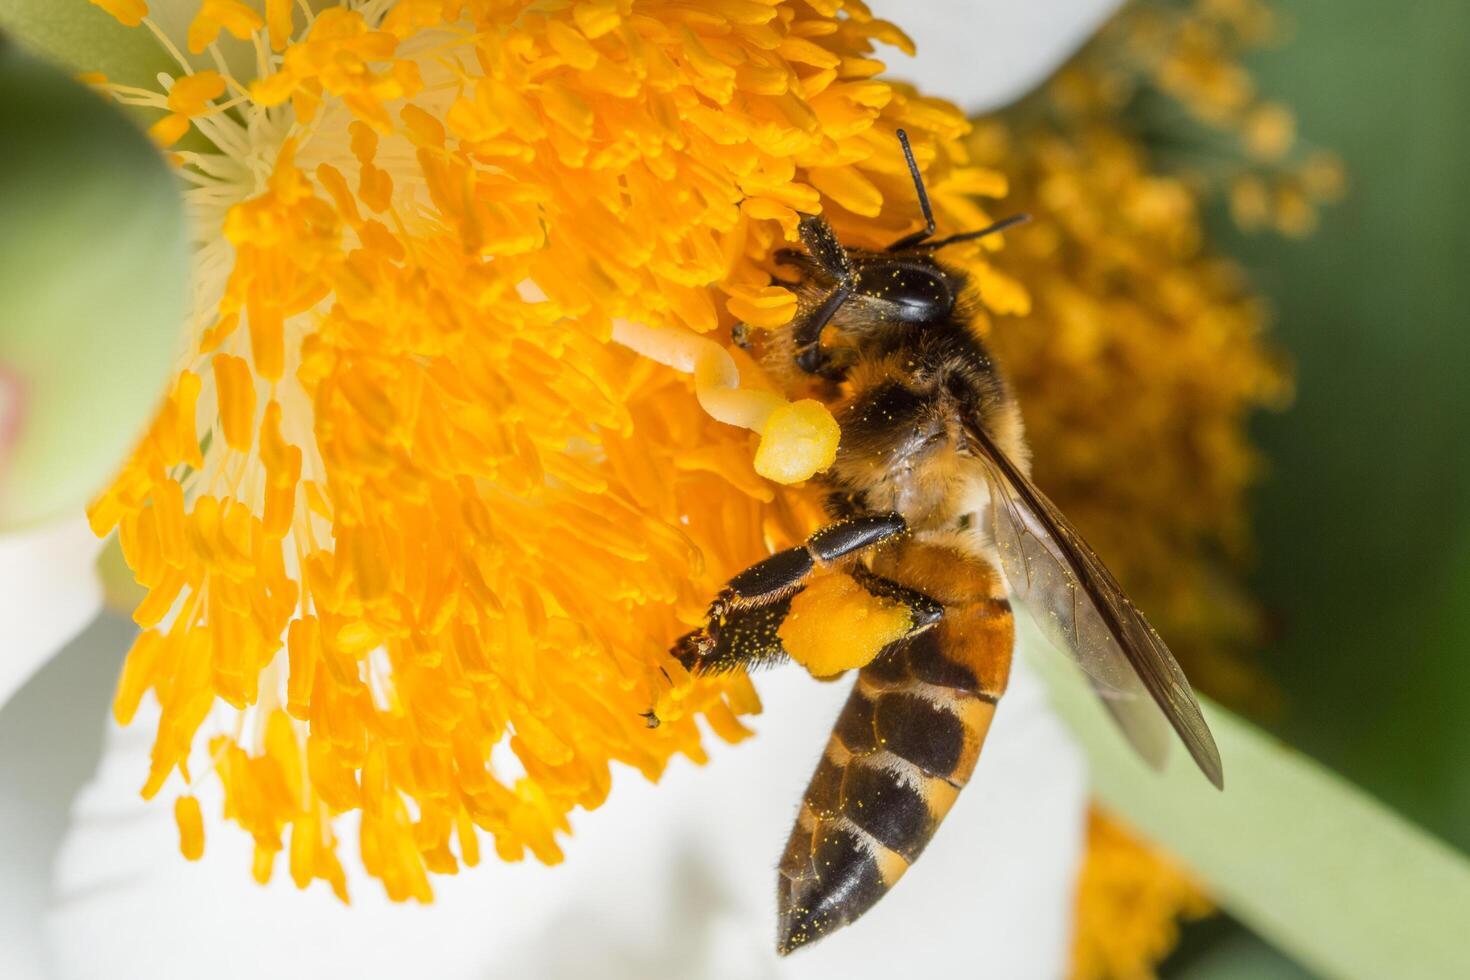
column 1081, row 608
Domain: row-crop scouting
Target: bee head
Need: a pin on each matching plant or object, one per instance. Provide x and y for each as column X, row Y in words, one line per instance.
column 902, row 284
column 905, row 282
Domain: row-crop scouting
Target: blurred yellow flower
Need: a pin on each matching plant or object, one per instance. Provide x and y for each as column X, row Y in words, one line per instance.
column 1144, row 352
column 1141, row 358
column 1130, row 899
column 416, row 532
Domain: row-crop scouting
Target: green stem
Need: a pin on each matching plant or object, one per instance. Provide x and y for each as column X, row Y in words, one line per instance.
column 1307, row 860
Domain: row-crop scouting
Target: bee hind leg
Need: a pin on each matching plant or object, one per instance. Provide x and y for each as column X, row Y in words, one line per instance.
column 745, row 617
column 923, row 611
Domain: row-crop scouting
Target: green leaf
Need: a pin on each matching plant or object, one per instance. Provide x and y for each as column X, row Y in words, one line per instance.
column 1313, row 865
column 1243, row 957
column 94, row 267
column 79, row 36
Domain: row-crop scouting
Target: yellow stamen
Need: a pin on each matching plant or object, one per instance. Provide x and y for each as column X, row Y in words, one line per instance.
column 191, row 827
column 129, row 12
column 214, row 16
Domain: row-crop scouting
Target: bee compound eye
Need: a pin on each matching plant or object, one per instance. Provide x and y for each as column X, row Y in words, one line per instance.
column 909, row 292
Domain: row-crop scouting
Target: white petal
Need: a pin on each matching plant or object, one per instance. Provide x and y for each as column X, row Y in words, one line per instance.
column 48, row 592
column 987, row 53
column 674, row 880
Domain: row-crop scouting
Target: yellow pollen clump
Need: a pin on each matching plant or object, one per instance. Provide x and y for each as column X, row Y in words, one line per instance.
column 460, row 444
column 799, row 439
column 835, row 625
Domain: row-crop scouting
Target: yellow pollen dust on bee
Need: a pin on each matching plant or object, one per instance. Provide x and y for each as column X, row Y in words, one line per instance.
column 432, row 493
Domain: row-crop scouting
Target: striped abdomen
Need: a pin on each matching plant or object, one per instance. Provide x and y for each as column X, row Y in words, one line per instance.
column 903, row 747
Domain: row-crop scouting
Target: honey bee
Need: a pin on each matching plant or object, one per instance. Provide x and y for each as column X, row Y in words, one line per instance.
column 934, row 508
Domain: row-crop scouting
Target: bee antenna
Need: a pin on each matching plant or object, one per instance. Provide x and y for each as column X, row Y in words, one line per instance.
column 969, row 236
column 909, row 241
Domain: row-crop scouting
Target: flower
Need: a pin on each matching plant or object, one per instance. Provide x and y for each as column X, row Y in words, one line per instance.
column 359, row 452
column 731, row 393
column 1130, row 899
column 48, row 594
column 416, row 533
column 667, row 880
column 1194, row 54
column 988, row 55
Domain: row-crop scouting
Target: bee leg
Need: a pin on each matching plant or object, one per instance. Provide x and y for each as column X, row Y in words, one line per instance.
column 807, row 336
column 828, row 253
column 845, row 537
column 744, row 617
column 785, row 571
column 824, row 247
column 923, row 611
column 740, row 639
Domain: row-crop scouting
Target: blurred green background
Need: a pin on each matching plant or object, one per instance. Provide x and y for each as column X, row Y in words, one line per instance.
column 1363, row 520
